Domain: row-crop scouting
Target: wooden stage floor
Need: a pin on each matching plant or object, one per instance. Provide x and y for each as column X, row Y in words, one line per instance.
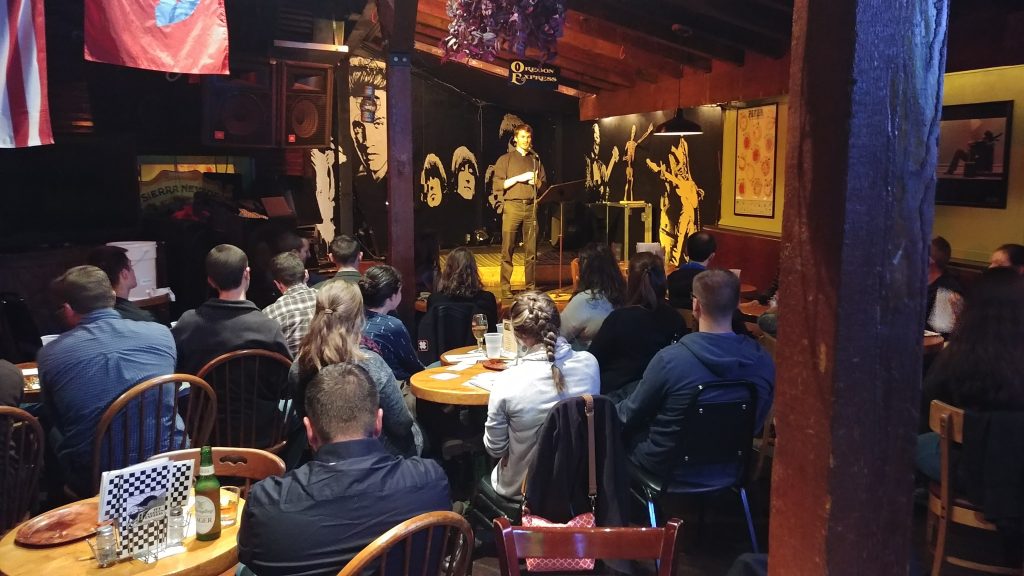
column 488, row 260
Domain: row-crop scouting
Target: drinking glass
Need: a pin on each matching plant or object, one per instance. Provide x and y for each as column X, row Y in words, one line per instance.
column 228, row 505
column 479, row 326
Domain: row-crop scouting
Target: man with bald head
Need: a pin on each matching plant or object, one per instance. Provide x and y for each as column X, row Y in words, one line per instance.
column 89, row 366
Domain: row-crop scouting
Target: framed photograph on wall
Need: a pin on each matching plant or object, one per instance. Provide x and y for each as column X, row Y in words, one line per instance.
column 755, row 161
column 974, row 154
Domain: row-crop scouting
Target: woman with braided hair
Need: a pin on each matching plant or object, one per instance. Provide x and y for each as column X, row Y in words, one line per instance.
column 523, row 395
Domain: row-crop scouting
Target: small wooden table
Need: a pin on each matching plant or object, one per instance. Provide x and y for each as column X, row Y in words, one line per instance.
column 933, row 344
column 75, row 558
column 561, row 298
column 753, row 309
column 748, row 290
column 31, row 393
column 447, row 358
column 454, row 391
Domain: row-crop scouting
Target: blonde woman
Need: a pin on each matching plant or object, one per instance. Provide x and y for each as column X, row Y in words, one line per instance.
column 334, row 337
column 524, row 394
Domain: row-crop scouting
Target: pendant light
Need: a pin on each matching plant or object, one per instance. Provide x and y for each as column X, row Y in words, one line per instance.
column 678, row 125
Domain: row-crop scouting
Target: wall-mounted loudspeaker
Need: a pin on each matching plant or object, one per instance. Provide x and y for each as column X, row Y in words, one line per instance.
column 241, row 109
column 306, row 92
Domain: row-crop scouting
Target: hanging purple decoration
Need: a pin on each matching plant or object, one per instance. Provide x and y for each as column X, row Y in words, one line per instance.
column 480, row 28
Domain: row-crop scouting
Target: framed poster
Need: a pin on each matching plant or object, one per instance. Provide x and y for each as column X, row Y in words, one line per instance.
column 755, row 161
column 974, row 154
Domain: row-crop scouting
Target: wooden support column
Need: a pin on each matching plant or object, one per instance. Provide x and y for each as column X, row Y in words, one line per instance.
column 865, row 101
column 398, row 19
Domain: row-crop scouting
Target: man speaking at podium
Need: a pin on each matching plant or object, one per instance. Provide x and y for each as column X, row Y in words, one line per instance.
column 518, row 175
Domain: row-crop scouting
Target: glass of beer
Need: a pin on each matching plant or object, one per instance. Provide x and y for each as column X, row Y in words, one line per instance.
column 479, row 327
column 228, row 505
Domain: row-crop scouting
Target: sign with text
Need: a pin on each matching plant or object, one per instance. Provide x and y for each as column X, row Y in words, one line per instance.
column 533, row 74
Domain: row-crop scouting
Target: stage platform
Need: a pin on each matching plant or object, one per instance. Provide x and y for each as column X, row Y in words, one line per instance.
column 488, row 260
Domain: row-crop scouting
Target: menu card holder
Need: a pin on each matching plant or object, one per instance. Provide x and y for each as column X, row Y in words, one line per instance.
column 138, row 499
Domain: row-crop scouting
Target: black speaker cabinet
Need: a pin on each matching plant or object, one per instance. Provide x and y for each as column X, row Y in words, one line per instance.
column 306, row 92
column 241, row 109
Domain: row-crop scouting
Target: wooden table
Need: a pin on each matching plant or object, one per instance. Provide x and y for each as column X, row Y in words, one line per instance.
column 454, row 391
column 446, row 357
column 748, row 290
column 561, row 298
column 753, row 309
column 933, row 344
column 75, row 558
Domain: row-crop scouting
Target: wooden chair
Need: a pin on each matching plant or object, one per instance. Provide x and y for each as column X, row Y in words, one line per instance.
column 412, row 548
column 141, row 422
column 249, row 464
column 21, row 460
column 574, row 272
column 944, row 505
column 250, row 386
column 765, row 443
column 518, row 542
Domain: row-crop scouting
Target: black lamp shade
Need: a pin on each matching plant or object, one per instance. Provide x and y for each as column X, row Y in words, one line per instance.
column 678, row 126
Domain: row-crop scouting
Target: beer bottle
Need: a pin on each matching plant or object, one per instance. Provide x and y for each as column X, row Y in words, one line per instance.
column 207, row 499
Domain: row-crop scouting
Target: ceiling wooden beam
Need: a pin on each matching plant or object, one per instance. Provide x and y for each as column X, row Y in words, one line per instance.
column 493, row 69
column 654, row 36
column 745, row 14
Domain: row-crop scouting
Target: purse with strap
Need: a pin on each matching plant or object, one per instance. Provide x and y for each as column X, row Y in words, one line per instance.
column 585, row 520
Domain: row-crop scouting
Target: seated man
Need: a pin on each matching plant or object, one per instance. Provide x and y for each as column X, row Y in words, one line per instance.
column 315, row 519
column 12, row 384
column 700, row 249
column 294, row 309
column 89, row 366
column 228, row 323
column 113, row 260
column 345, row 253
column 652, row 413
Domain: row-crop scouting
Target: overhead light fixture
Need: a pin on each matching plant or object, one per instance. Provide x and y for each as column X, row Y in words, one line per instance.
column 678, row 126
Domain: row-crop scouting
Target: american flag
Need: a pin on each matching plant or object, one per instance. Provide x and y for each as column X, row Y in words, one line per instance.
column 24, row 111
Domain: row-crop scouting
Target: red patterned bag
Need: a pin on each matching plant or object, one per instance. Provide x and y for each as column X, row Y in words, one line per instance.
column 585, row 520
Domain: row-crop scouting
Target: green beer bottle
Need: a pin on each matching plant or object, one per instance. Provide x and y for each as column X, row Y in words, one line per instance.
column 207, row 498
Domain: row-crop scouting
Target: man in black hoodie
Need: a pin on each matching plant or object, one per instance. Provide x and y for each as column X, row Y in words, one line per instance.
column 652, row 414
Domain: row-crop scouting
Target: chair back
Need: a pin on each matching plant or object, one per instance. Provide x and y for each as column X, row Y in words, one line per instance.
column 719, row 431
column 574, row 272
column 767, row 341
column 150, row 418
column 247, row 464
column 21, row 460
column 250, row 387
column 444, row 327
column 517, row 542
column 426, row 545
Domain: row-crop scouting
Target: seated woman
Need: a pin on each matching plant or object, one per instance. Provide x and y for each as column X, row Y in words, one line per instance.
column 334, row 337
column 600, row 290
column 982, row 368
column 460, row 283
column 381, row 287
column 523, row 395
column 633, row 334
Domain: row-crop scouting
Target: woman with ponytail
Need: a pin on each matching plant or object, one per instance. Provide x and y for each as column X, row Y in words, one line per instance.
column 523, row 395
column 633, row 334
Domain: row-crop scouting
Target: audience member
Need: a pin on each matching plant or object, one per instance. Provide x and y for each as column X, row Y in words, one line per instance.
column 381, row 288
column 228, row 322
column 346, row 254
column 633, row 334
column 982, row 368
column 1008, row 256
column 90, row 365
column 651, row 415
column 114, row 262
column 700, row 249
column 600, row 290
column 334, row 338
column 523, row 395
column 294, row 308
column 315, row 519
column 301, row 247
column 12, row 384
column 460, row 283
column 945, row 294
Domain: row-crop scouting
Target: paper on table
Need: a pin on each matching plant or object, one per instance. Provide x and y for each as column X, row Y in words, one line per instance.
column 30, row 372
column 460, row 366
column 930, row 333
column 444, row 376
column 460, row 358
column 485, row 380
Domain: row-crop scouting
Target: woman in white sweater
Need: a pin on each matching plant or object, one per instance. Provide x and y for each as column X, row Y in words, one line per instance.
column 524, row 394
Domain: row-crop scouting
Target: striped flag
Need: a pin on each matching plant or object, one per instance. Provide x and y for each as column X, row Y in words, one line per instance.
column 187, row 36
column 24, row 109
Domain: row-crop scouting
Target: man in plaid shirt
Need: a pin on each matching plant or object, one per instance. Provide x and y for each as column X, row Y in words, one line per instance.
column 294, row 309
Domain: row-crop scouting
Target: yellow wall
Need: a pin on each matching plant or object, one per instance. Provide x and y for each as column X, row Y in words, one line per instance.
column 975, row 232
column 729, row 218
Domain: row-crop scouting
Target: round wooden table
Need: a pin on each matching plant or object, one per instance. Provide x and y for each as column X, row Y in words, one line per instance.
column 561, row 298
column 753, row 308
column 447, row 358
column 933, row 344
column 452, row 391
column 74, row 558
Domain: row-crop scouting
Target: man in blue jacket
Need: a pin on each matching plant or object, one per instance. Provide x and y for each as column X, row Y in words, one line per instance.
column 652, row 414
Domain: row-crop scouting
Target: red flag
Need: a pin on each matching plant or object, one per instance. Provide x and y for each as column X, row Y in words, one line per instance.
column 188, row 36
column 24, row 108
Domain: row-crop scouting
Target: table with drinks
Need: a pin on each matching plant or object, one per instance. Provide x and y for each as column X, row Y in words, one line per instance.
column 72, row 539
column 466, row 373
